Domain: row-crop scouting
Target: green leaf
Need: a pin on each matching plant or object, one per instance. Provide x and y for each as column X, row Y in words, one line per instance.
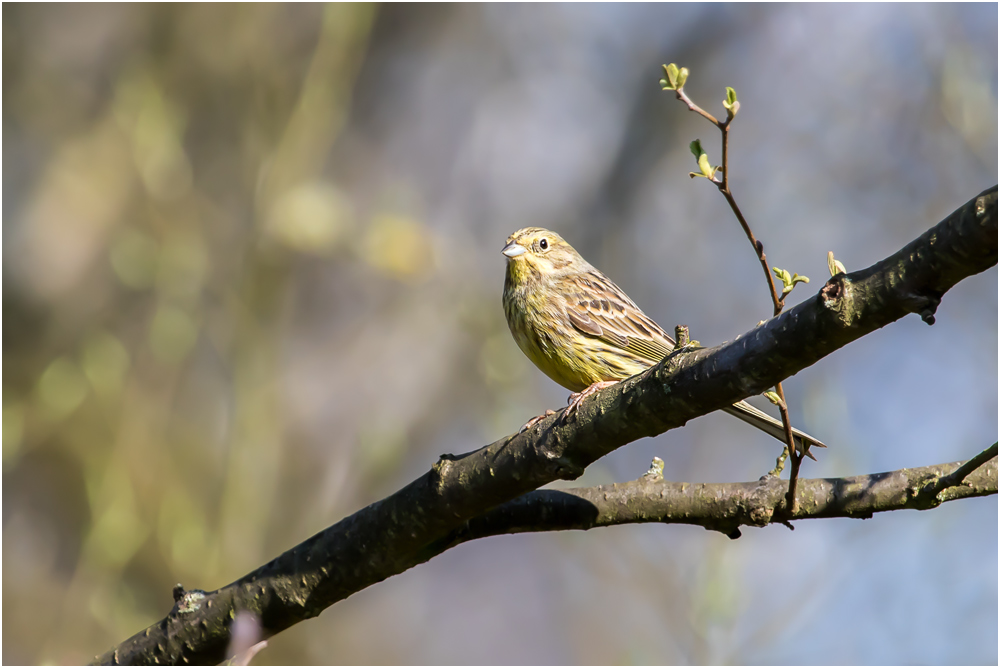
column 706, row 169
column 696, row 150
column 669, row 82
column 731, row 104
column 674, row 77
column 789, row 281
column 835, row 266
column 682, row 77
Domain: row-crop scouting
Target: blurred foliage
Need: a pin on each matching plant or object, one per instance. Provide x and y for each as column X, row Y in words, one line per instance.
column 252, row 283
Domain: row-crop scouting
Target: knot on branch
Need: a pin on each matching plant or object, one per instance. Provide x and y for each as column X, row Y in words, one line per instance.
column 187, row 601
column 759, row 506
column 439, row 472
column 835, row 297
column 760, row 515
column 926, row 494
column 924, row 305
column 986, row 205
column 564, row 467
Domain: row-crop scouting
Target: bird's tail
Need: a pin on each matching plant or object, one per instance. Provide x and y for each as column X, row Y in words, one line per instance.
column 769, row 425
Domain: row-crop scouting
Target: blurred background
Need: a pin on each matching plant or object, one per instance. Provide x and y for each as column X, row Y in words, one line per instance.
column 252, row 278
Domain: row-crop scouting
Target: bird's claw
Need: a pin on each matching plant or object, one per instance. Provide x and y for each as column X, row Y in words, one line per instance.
column 573, row 404
column 577, row 397
column 535, row 420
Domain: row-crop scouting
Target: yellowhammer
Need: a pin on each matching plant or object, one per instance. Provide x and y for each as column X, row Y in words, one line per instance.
column 581, row 329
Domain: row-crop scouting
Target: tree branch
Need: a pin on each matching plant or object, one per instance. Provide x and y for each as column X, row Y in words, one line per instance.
column 388, row 537
column 725, row 507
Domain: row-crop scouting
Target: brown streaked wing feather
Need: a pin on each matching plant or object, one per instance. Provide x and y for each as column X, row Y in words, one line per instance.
column 582, row 322
column 600, row 308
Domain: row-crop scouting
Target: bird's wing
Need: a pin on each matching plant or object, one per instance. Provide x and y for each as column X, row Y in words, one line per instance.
column 597, row 307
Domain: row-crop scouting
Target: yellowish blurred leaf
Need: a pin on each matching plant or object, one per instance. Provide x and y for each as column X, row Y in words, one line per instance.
column 182, row 531
column 399, row 246
column 172, row 334
column 323, row 102
column 118, row 530
column 105, row 363
column 183, row 264
column 157, row 128
column 79, row 198
column 134, row 258
column 380, row 446
column 310, row 218
column 61, row 388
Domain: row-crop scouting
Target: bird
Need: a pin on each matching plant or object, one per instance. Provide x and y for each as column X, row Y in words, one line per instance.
column 583, row 331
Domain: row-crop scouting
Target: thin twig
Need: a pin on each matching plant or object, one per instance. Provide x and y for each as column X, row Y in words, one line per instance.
column 778, row 303
column 793, row 453
column 777, row 300
column 682, row 96
column 958, row 476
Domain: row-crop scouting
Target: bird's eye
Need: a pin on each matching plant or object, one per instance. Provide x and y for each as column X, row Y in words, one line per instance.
column 543, row 244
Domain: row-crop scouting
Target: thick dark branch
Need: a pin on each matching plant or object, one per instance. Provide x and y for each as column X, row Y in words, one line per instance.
column 726, row 506
column 388, row 536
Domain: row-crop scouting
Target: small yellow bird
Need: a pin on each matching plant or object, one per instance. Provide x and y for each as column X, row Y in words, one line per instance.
column 579, row 328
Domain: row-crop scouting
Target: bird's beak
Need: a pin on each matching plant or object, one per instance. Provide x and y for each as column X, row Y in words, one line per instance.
column 513, row 250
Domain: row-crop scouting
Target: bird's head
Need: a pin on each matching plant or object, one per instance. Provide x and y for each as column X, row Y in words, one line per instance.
column 533, row 252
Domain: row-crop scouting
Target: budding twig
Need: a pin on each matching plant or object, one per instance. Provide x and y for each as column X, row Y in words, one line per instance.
column 674, row 79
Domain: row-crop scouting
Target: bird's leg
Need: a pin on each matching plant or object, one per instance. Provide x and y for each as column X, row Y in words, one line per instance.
column 577, row 397
column 573, row 403
column 535, row 420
